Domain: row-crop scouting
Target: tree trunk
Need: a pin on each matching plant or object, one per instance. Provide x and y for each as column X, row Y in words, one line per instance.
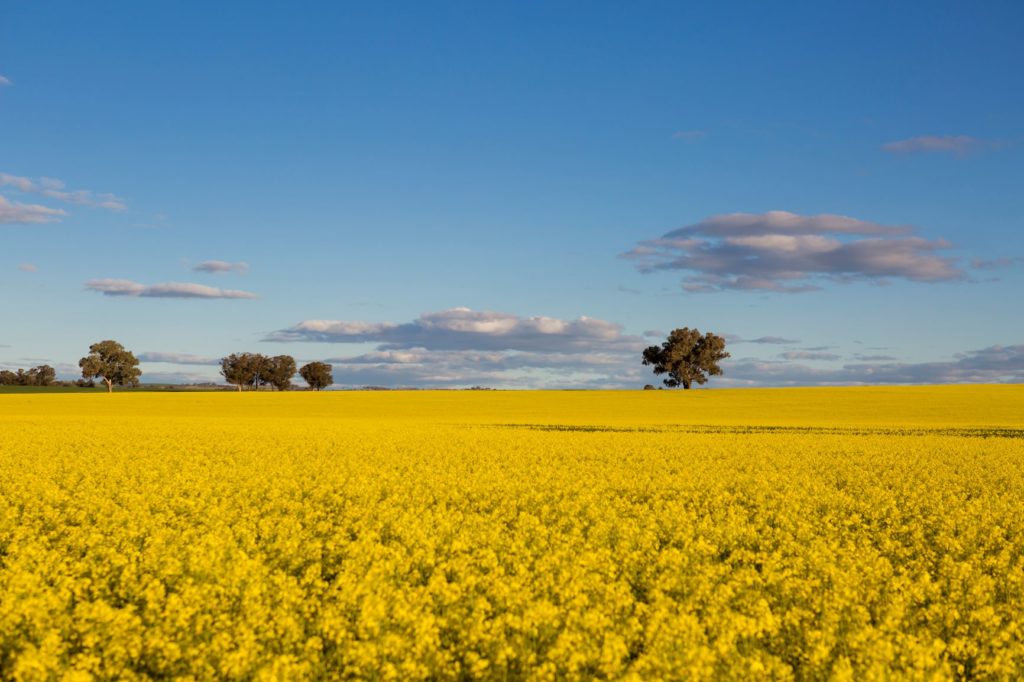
column 110, row 385
column 239, row 388
column 686, row 384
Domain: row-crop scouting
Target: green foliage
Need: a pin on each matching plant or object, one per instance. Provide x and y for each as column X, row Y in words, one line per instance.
column 252, row 370
column 279, row 371
column 687, row 357
column 317, row 375
column 237, row 369
column 110, row 361
column 43, row 375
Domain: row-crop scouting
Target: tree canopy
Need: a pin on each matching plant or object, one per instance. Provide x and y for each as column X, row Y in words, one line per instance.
column 253, row 370
column 687, row 357
column 279, row 371
column 43, row 375
column 110, row 361
column 317, row 375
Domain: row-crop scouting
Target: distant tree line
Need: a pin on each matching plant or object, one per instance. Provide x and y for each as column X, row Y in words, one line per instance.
column 43, row 375
column 117, row 366
column 249, row 371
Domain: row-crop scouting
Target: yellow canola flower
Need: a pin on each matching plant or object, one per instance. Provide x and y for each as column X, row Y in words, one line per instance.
column 860, row 533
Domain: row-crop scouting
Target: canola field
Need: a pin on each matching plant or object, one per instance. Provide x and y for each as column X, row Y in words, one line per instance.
column 803, row 534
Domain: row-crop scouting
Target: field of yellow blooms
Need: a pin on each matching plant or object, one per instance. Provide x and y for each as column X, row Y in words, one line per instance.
column 856, row 533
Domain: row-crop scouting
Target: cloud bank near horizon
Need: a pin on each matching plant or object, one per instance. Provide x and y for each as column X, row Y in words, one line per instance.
column 784, row 252
column 467, row 329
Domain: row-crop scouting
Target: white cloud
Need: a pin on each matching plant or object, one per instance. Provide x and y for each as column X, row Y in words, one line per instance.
column 125, row 287
column 55, row 189
column 5, row 81
column 221, row 266
column 12, row 212
column 790, row 253
column 177, row 358
column 957, row 145
column 27, row 267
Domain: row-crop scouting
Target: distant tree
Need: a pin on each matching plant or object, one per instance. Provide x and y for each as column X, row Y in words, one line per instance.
column 43, row 375
column 250, row 370
column 687, row 357
column 238, row 369
column 648, row 387
column 279, row 371
column 8, row 378
column 260, row 367
column 317, row 375
column 110, row 361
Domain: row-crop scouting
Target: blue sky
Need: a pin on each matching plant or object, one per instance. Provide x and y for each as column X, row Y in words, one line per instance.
column 461, row 193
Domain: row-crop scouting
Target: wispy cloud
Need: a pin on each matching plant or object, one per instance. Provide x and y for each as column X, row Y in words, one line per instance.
column 125, row 287
column 27, row 267
column 15, row 213
column 177, row 358
column 5, row 81
column 957, row 145
column 785, row 252
column 808, row 355
column 689, row 136
column 997, row 263
column 221, row 266
column 56, row 190
column 769, row 340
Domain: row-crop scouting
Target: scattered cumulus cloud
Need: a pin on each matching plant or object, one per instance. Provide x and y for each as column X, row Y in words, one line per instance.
column 13, row 212
column 125, row 287
column 785, row 252
column 28, row 267
column 221, row 266
column 957, row 145
column 177, row 358
column 56, row 190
